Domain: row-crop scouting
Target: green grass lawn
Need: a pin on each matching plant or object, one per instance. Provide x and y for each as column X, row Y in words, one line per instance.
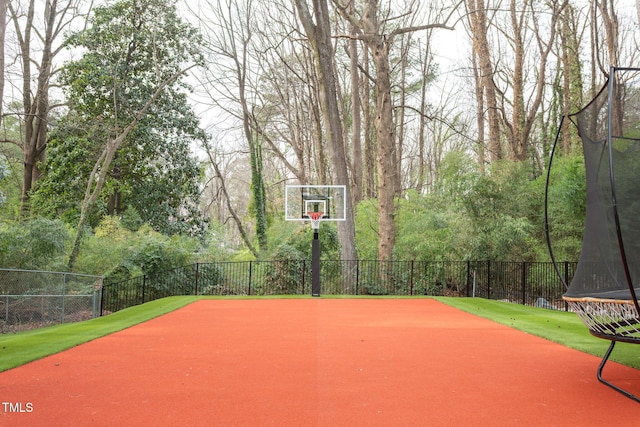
column 557, row 326
column 561, row 327
column 22, row 347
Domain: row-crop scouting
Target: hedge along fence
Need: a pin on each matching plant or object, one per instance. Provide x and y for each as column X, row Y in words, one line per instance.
column 529, row 283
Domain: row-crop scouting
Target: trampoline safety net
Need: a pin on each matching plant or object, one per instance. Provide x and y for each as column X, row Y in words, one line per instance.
column 604, row 290
column 609, row 127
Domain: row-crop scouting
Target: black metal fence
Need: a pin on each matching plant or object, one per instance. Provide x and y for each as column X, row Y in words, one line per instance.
column 529, row 283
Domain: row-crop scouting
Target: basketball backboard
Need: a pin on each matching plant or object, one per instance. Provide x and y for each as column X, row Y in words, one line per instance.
column 303, row 202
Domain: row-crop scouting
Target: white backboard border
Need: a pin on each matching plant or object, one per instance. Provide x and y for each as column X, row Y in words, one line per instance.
column 300, row 199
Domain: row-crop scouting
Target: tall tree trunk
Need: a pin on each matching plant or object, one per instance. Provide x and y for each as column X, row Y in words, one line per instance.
column 524, row 116
column 572, row 85
column 386, row 150
column 259, row 194
column 317, row 151
column 400, row 117
column 319, row 34
column 594, row 81
column 479, row 24
column 422, row 123
column 356, row 122
column 3, row 32
column 240, row 58
column 517, row 143
column 369, row 179
column 92, row 191
column 378, row 45
column 609, row 18
column 36, row 108
column 566, row 83
column 480, row 118
column 371, row 32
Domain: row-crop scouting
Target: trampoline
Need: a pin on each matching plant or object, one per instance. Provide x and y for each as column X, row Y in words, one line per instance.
column 604, row 289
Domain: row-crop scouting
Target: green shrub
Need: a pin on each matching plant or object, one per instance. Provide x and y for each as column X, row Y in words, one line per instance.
column 119, row 253
column 106, row 249
column 211, row 280
column 156, row 253
column 284, row 273
column 38, row 244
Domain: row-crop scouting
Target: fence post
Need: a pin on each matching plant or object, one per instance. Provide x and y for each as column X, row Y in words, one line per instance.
column 488, row 279
column 566, row 280
column 304, row 271
column 64, row 293
column 97, row 302
column 468, row 277
column 524, row 280
column 357, row 276
column 250, row 274
column 144, row 286
column 411, row 280
column 197, row 274
column 101, row 297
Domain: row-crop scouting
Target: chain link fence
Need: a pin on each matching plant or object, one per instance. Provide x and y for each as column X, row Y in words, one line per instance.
column 33, row 299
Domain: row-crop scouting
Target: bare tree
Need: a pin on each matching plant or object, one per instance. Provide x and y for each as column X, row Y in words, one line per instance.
column 57, row 18
column 480, row 113
column 356, row 118
column 371, row 25
column 512, row 49
column 426, row 59
column 318, row 29
column 400, row 116
column 226, row 197
column 572, row 83
column 447, row 129
column 368, row 176
column 486, row 94
column 605, row 12
column 289, row 111
column 524, row 114
column 229, row 39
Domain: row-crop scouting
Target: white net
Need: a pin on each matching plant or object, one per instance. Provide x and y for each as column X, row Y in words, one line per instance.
column 315, row 218
column 615, row 318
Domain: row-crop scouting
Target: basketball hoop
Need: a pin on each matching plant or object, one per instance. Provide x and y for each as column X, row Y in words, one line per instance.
column 315, row 219
column 315, row 203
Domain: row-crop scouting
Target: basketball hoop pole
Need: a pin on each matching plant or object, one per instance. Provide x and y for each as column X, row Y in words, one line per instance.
column 315, row 253
column 315, row 204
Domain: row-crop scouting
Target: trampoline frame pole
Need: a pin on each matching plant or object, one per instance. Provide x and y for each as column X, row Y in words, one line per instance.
column 607, row 383
column 614, row 197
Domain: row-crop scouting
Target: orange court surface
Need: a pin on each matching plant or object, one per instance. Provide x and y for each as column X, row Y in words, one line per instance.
column 318, row 362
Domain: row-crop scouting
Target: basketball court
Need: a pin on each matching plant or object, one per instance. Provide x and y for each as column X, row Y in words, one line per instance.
column 318, row 362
